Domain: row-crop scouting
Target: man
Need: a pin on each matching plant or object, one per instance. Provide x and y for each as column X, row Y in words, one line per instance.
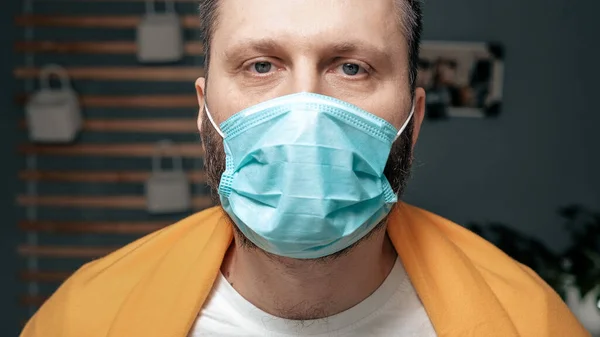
column 308, row 115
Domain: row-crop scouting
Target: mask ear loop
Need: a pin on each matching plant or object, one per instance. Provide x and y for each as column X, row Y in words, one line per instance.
column 213, row 122
column 412, row 110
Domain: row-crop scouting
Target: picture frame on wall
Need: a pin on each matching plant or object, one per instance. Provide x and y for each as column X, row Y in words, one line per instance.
column 461, row 79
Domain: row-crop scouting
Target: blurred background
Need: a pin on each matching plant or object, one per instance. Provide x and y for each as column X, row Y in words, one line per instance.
column 530, row 173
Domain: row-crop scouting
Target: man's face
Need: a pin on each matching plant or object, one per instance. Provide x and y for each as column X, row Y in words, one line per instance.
column 353, row 50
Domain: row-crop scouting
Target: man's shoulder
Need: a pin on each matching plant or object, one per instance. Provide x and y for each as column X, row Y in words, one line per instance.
column 92, row 296
column 482, row 254
column 526, row 297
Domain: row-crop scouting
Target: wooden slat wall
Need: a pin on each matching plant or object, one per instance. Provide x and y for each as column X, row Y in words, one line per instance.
column 163, row 74
column 137, row 125
column 72, row 252
column 113, row 177
column 131, row 101
column 41, row 276
column 33, row 300
column 132, row 202
column 98, row 227
column 107, row 150
column 92, row 47
column 130, row 1
column 137, row 116
column 93, row 21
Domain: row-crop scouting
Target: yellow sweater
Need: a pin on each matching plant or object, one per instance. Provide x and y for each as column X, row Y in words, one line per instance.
column 156, row 286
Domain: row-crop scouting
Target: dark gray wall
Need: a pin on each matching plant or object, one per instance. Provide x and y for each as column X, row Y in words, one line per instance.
column 9, row 236
column 543, row 151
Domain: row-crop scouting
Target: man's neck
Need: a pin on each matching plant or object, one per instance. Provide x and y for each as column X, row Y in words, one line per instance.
column 303, row 290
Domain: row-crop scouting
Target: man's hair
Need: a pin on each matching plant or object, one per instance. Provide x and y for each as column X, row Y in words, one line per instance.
column 411, row 23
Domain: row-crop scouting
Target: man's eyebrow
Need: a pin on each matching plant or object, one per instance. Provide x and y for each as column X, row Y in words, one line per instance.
column 265, row 45
column 373, row 51
column 349, row 47
column 271, row 46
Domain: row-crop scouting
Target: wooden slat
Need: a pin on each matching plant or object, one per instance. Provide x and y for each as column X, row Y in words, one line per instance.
column 33, row 300
column 163, row 125
column 109, row 150
column 129, row 202
column 147, row 125
column 122, row 1
column 93, row 227
column 139, row 73
column 85, row 252
column 94, row 21
column 44, row 276
column 141, row 101
column 92, row 47
column 115, row 177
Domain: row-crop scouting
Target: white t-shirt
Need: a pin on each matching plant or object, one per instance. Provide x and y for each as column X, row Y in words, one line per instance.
column 394, row 309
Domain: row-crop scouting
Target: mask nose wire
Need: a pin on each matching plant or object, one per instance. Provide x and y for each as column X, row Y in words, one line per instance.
column 213, row 122
column 412, row 110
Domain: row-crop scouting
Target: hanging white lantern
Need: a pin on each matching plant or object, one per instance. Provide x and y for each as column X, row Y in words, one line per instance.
column 159, row 35
column 53, row 114
column 167, row 191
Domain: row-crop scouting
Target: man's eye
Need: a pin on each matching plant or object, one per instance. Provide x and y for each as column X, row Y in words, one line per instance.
column 351, row 69
column 262, row 67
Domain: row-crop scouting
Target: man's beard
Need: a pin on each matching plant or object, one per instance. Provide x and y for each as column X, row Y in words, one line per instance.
column 397, row 172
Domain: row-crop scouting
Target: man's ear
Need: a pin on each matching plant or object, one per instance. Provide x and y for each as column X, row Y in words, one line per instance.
column 200, row 89
column 419, row 114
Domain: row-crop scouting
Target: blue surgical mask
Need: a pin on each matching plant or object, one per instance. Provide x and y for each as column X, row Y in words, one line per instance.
column 304, row 173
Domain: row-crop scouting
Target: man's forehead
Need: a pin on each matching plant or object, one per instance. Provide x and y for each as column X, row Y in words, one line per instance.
column 338, row 22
